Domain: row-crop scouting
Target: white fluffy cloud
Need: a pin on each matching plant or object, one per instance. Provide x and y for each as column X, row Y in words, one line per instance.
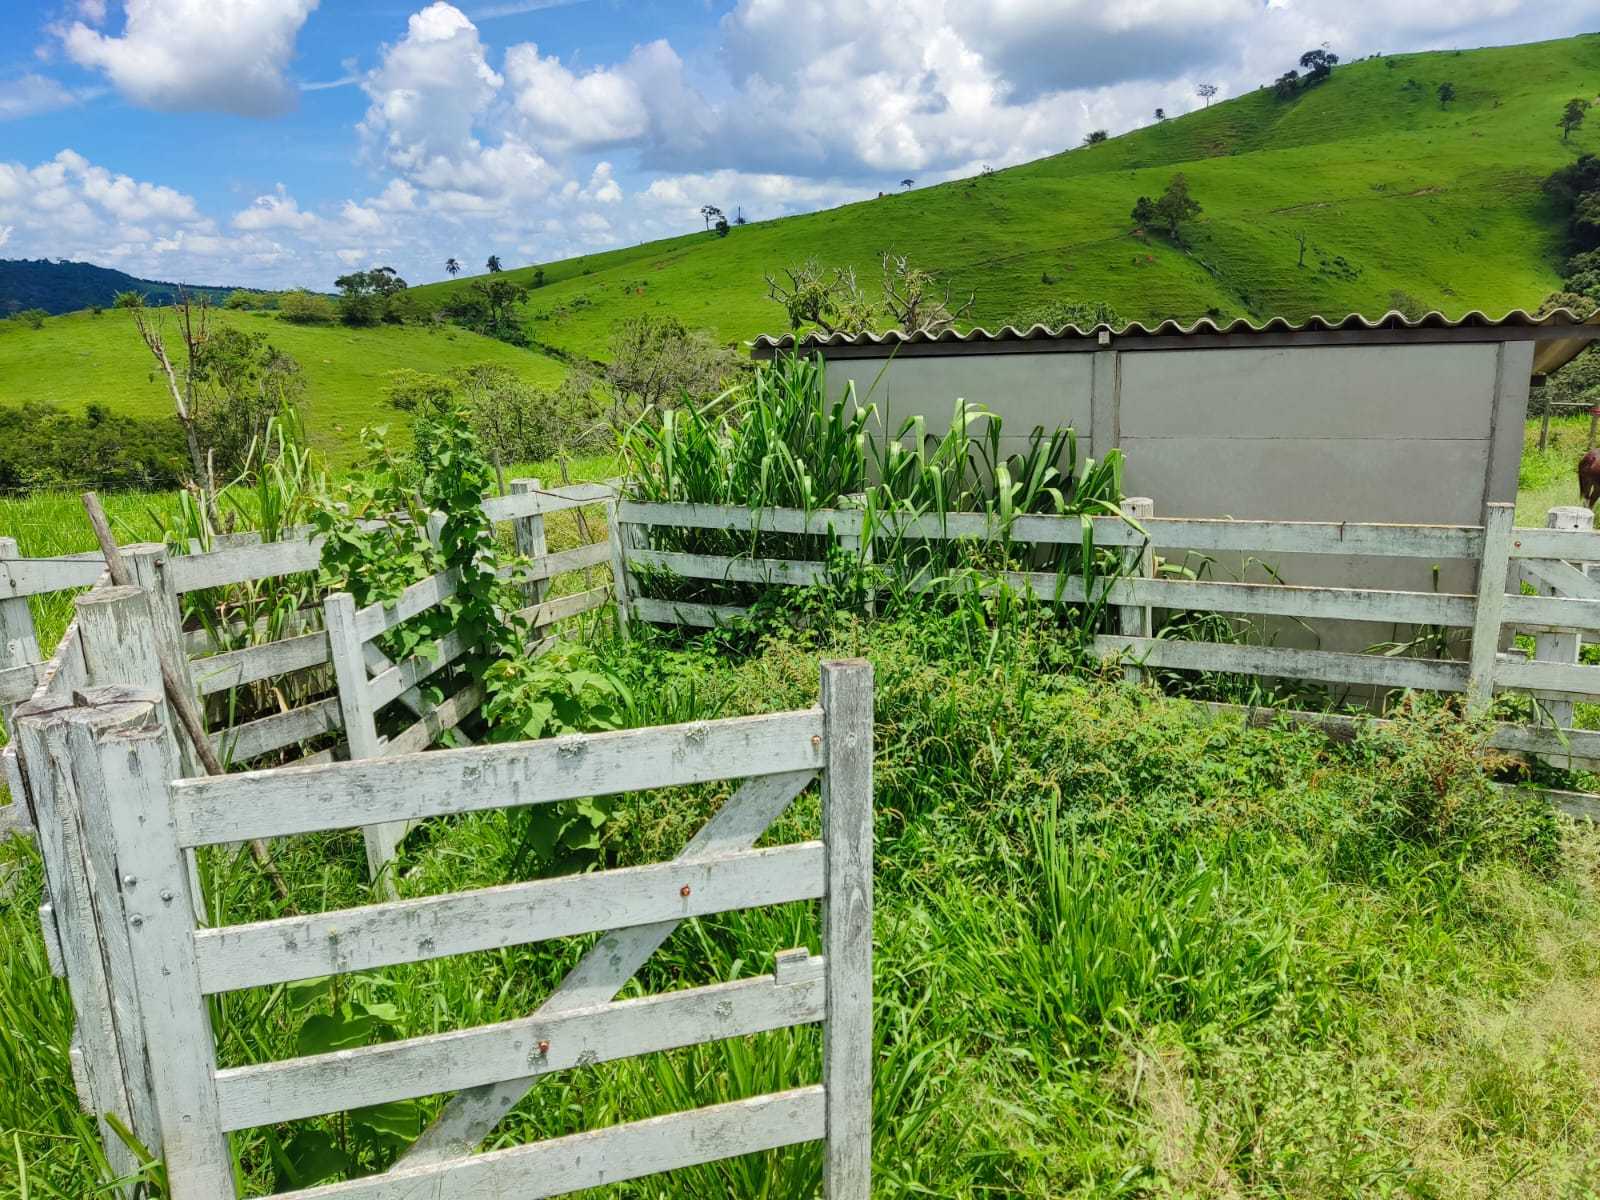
column 29, row 94
column 192, row 55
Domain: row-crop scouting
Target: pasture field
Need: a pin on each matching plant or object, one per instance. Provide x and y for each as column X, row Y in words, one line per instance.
column 78, row 359
column 1122, row 949
column 1393, row 192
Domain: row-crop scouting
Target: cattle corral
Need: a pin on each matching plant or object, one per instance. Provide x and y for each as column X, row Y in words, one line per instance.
column 93, row 758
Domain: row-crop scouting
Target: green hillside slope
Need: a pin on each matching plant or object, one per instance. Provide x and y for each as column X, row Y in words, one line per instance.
column 79, row 358
column 1393, row 193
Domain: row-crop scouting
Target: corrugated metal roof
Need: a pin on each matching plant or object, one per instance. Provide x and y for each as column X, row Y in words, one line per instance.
column 1204, row 327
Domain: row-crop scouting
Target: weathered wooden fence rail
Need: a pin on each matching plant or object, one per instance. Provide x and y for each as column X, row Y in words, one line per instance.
column 244, row 559
column 164, row 966
column 1565, row 604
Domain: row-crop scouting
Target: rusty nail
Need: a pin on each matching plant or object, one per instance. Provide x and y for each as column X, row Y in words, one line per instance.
column 816, row 740
column 684, row 891
column 544, row 1049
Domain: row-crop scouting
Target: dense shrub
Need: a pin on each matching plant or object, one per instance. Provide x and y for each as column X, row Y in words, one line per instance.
column 42, row 445
column 301, row 307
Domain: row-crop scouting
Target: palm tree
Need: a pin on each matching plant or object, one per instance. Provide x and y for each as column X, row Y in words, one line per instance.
column 908, row 183
column 493, row 264
column 453, row 267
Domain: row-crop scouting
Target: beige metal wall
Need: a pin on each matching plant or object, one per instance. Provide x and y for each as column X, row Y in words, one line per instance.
column 1409, row 433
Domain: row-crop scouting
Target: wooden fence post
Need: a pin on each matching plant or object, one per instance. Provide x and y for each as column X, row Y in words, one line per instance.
column 1137, row 562
column 360, row 720
column 1493, row 567
column 155, row 908
column 19, row 644
column 1560, row 647
column 529, row 532
column 847, row 927
column 619, row 564
column 74, row 803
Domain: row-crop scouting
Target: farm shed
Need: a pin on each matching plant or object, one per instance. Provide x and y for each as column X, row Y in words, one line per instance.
column 1393, row 420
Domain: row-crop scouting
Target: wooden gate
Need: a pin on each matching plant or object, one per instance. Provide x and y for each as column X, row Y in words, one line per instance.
column 177, row 964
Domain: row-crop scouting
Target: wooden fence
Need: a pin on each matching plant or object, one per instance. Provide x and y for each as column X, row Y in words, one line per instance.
column 1564, row 603
column 164, row 965
column 244, row 559
column 114, row 639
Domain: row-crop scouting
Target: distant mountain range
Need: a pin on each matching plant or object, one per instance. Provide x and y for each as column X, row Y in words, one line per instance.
column 61, row 287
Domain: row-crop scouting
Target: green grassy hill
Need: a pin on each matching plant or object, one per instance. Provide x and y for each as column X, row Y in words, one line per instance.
column 1393, row 193
column 79, row 358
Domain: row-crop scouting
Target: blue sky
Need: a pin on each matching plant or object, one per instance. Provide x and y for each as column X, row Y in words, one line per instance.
column 281, row 142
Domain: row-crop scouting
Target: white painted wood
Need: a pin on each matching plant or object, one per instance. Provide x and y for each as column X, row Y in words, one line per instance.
column 1562, row 578
column 759, row 520
column 1569, row 679
column 157, row 909
column 602, row 1156
column 1560, row 647
column 847, row 927
column 681, row 612
column 52, row 941
column 1492, row 571
column 14, row 817
column 118, row 638
column 1580, row 806
column 531, row 545
column 403, row 1070
column 17, row 683
column 533, row 501
column 723, row 567
column 1571, row 545
column 471, row 1115
column 1136, row 620
column 591, row 554
column 622, row 588
column 235, row 668
column 241, row 564
column 19, row 644
column 445, row 716
column 360, row 714
column 542, row 616
column 1551, row 614
column 1287, row 662
column 402, row 677
column 23, row 577
column 290, row 800
column 252, row 739
column 1282, row 537
column 415, row 600
column 380, row 935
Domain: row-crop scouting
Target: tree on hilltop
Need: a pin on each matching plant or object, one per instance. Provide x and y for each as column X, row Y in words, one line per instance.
column 494, row 264
column 452, row 267
column 1171, row 210
column 1094, row 137
column 1205, row 91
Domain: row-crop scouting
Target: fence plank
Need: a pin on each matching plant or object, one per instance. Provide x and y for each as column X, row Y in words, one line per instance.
column 1574, row 681
column 681, row 612
column 847, row 927
column 24, row 577
column 1562, row 578
column 442, row 717
column 235, row 668
column 241, row 564
column 416, row 599
column 404, row 1070
column 158, row 908
column 1570, row 545
column 290, row 800
column 1550, row 646
column 380, row 935
column 1324, row 666
column 563, row 607
column 548, row 500
column 472, row 1115
column 602, row 1156
column 359, row 708
column 19, row 644
column 404, row 676
column 745, row 520
column 548, row 566
column 1493, row 568
column 241, row 743
column 723, row 567
column 18, row 683
column 531, row 544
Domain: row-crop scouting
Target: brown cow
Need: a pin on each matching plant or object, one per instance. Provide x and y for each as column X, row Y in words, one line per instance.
column 1589, row 477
